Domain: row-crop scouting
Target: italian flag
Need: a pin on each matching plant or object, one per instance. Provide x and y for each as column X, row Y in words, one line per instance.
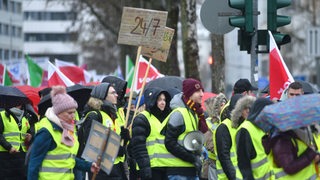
column 129, row 70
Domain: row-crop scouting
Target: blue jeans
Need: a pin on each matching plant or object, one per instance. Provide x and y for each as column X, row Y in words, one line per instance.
column 179, row 177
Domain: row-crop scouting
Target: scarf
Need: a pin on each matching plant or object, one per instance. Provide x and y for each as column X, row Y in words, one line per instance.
column 196, row 107
column 67, row 133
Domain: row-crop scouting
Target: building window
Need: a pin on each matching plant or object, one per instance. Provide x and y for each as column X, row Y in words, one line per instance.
column 1, row 52
column 13, row 31
column 5, row 29
column 18, row 7
column 64, row 37
column 49, row 16
column 1, row 28
column 5, row 5
column 6, row 54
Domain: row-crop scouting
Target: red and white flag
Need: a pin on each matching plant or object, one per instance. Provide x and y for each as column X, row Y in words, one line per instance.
column 280, row 77
column 75, row 73
column 141, row 71
column 56, row 77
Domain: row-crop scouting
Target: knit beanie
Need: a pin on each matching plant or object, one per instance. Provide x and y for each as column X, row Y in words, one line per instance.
column 190, row 86
column 61, row 101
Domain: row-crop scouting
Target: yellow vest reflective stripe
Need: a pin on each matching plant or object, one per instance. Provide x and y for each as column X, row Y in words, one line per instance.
column 233, row 156
column 212, row 127
column 59, row 162
column 12, row 133
column 308, row 172
column 261, row 167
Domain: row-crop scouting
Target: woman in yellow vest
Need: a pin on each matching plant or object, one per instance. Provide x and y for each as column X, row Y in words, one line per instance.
column 15, row 135
column 101, row 107
column 253, row 161
column 55, row 146
column 146, row 128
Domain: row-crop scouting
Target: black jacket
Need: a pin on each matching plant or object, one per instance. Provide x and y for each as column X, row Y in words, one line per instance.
column 141, row 129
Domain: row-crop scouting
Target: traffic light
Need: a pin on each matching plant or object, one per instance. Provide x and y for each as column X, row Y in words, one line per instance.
column 275, row 20
column 244, row 20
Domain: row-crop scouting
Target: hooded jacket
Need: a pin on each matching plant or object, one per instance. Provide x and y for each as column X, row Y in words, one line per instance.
column 120, row 86
column 141, row 128
column 172, row 131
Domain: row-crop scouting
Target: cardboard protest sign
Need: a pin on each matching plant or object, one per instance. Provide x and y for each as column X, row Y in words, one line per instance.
column 102, row 145
column 161, row 53
column 142, row 27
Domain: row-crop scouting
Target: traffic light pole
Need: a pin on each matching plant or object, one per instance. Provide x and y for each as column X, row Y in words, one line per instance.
column 254, row 45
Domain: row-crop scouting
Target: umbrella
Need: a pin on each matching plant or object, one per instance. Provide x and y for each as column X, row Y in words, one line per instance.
column 32, row 93
column 79, row 93
column 306, row 86
column 292, row 113
column 12, row 97
column 166, row 82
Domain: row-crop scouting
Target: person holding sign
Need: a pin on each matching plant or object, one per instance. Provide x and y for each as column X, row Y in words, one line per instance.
column 55, row 146
column 101, row 107
column 146, row 129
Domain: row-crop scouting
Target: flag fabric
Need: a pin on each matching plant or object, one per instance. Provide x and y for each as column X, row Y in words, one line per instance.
column 56, row 77
column 129, row 70
column 36, row 74
column 17, row 71
column 5, row 77
column 75, row 73
column 141, row 71
column 280, row 77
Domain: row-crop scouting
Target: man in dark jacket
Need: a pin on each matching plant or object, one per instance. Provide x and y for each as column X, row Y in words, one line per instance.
column 187, row 116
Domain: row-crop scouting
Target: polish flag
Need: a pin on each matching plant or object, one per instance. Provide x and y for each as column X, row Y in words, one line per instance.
column 141, row 71
column 75, row 73
column 280, row 77
column 56, row 77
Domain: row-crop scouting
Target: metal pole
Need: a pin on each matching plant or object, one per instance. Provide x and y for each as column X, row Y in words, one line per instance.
column 254, row 42
column 318, row 72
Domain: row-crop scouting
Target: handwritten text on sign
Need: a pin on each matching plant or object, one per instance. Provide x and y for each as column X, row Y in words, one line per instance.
column 160, row 54
column 142, row 27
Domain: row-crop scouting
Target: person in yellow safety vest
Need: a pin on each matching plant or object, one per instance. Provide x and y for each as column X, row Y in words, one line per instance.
column 253, row 161
column 213, row 107
column 15, row 135
column 224, row 139
column 187, row 116
column 146, row 129
column 101, row 107
column 55, row 146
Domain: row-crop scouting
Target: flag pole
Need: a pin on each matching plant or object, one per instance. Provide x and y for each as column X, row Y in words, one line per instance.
column 142, row 89
column 132, row 84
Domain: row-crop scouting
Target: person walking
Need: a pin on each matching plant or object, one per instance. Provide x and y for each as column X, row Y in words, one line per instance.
column 55, row 146
column 146, row 135
column 187, row 116
column 253, row 160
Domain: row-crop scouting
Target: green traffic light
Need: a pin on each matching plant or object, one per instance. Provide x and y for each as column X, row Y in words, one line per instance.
column 281, row 38
column 245, row 20
column 237, row 21
column 237, row 4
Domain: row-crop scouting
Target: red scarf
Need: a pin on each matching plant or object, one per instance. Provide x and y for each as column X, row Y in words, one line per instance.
column 196, row 107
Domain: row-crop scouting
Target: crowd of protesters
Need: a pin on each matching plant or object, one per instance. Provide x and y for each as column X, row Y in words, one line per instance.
column 155, row 139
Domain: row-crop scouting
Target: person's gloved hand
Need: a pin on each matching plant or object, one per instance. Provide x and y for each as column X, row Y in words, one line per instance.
column 204, row 153
column 125, row 134
column 145, row 173
column 197, row 164
column 122, row 151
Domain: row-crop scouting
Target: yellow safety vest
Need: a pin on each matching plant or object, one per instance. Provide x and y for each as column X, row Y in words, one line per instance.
column 121, row 117
column 59, row 162
column 308, row 172
column 12, row 133
column 191, row 124
column 233, row 152
column 261, row 166
column 212, row 127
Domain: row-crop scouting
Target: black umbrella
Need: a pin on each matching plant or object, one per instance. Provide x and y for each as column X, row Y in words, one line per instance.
column 166, row 82
column 79, row 93
column 12, row 97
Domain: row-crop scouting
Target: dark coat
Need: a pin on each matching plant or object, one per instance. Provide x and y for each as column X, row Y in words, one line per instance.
column 141, row 130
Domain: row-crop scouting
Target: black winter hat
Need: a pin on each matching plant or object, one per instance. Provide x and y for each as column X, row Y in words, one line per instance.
column 100, row 91
column 257, row 107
